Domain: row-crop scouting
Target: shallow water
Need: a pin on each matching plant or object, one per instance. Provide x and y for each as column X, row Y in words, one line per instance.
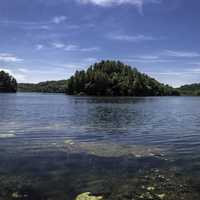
column 57, row 147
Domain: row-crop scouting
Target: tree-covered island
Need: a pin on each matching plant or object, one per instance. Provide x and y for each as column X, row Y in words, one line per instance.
column 7, row 82
column 113, row 78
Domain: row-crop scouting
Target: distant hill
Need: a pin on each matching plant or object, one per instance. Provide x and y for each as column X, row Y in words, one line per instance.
column 190, row 90
column 7, row 82
column 46, row 87
column 113, row 78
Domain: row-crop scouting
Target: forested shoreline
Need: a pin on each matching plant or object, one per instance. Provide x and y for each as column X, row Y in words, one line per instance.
column 7, row 83
column 106, row 78
column 46, row 87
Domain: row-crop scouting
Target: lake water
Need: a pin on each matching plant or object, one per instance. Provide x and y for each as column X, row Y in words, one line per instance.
column 56, row 147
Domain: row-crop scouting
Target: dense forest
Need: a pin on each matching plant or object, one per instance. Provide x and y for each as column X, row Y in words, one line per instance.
column 190, row 90
column 7, row 82
column 113, row 78
column 47, row 87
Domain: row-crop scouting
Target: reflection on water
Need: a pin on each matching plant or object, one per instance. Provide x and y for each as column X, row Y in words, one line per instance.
column 60, row 147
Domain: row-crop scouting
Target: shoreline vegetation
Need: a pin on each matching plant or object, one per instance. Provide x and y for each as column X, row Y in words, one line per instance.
column 7, row 83
column 106, row 78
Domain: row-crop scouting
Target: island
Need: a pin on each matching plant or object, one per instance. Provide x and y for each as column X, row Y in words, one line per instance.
column 7, row 83
column 113, row 78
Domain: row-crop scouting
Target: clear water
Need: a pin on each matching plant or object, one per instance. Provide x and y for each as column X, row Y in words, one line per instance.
column 57, row 146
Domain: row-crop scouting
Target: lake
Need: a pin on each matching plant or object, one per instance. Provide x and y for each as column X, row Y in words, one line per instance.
column 56, row 147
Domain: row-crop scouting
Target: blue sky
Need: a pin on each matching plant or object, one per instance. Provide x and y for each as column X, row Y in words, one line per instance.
column 51, row 39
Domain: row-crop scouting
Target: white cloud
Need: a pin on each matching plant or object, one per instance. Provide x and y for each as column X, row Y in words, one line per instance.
column 39, row 46
column 140, row 60
column 181, row 54
column 59, row 19
column 105, row 3
column 23, row 70
column 148, row 57
column 169, row 73
column 72, row 47
column 58, row 45
column 90, row 60
column 89, row 49
column 4, row 57
column 68, row 47
column 137, row 3
column 131, row 38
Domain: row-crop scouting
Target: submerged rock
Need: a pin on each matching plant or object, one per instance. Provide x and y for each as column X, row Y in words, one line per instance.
column 150, row 188
column 161, row 196
column 88, row 196
column 111, row 149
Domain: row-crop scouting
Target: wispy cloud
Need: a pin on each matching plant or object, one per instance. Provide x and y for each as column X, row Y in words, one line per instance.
column 89, row 49
column 4, row 57
column 59, row 19
column 140, row 60
column 73, row 47
column 177, row 73
column 30, row 25
column 23, row 70
column 148, row 59
column 181, row 54
column 137, row 3
column 106, row 3
column 58, row 45
column 90, row 60
column 131, row 38
column 167, row 73
column 67, row 47
column 38, row 25
column 39, row 46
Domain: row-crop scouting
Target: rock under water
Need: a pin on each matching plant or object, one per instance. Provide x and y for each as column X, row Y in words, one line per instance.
column 88, row 196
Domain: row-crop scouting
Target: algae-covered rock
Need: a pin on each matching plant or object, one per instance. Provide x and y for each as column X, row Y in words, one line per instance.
column 161, row 196
column 150, row 188
column 88, row 196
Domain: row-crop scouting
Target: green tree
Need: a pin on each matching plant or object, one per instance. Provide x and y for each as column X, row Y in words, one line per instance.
column 113, row 78
column 7, row 82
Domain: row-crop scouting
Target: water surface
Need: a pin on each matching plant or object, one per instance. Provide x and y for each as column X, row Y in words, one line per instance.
column 56, row 146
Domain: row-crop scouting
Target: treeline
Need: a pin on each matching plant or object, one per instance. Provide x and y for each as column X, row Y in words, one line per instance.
column 46, row 87
column 107, row 78
column 190, row 90
column 7, row 82
column 113, row 78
